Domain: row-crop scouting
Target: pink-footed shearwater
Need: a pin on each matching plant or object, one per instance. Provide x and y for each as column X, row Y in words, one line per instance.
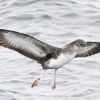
column 48, row 56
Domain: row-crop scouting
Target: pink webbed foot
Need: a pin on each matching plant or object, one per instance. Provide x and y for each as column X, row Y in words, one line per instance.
column 35, row 82
column 54, row 85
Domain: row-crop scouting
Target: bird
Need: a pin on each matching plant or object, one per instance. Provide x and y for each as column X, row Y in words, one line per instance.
column 49, row 56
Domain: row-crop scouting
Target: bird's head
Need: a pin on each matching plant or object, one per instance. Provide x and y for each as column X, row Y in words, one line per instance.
column 76, row 45
column 79, row 43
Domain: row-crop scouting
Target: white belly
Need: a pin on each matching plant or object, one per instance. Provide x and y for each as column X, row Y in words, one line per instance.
column 60, row 61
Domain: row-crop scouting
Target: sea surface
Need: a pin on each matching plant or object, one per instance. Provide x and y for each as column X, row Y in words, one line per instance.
column 56, row 22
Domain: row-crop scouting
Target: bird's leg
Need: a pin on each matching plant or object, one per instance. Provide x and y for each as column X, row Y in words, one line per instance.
column 36, row 81
column 54, row 80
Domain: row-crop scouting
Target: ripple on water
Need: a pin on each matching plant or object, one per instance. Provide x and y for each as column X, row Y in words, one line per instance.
column 56, row 22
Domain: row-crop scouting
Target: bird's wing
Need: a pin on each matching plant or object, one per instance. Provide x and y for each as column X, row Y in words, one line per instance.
column 26, row 45
column 90, row 49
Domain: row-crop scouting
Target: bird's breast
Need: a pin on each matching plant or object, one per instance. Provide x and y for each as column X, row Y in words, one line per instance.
column 61, row 60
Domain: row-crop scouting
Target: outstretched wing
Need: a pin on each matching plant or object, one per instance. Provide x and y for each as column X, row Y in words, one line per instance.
column 90, row 49
column 27, row 45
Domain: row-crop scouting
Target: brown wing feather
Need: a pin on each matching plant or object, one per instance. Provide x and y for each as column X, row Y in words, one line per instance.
column 90, row 49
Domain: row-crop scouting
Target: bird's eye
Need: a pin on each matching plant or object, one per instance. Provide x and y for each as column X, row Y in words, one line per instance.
column 81, row 44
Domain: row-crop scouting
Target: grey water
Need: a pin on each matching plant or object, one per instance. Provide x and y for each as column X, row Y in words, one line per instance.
column 56, row 22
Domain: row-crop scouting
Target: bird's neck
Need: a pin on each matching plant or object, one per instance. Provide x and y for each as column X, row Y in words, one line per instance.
column 70, row 48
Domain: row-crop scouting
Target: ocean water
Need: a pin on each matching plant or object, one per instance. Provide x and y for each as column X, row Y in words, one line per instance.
column 56, row 22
